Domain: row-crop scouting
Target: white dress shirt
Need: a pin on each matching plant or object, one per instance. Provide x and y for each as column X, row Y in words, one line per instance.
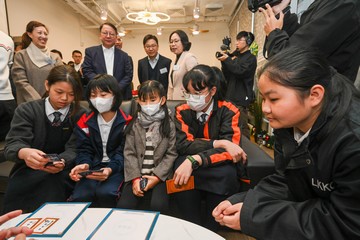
column 109, row 59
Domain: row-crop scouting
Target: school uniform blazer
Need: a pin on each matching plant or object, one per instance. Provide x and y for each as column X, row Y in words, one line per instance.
column 28, row 131
column 89, row 143
column 185, row 63
column 162, row 74
column 94, row 63
column 164, row 153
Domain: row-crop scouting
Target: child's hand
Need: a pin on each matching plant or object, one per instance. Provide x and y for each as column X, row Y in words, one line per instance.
column 152, row 182
column 218, row 212
column 33, row 158
column 136, row 188
column 236, row 152
column 183, row 173
column 56, row 167
column 74, row 174
column 100, row 176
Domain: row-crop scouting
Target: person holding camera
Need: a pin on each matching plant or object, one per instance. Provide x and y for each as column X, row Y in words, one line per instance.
column 329, row 26
column 239, row 70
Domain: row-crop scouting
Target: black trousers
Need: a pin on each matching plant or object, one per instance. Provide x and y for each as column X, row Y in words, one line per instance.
column 28, row 189
column 155, row 199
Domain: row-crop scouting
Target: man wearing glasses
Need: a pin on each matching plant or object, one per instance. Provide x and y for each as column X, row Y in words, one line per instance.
column 106, row 58
column 154, row 66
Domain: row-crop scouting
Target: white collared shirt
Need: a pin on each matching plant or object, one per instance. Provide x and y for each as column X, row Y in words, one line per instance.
column 105, row 128
column 300, row 136
column 208, row 111
column 109, row 59
column 77, row 67
column 49, row 110
column 154, row 61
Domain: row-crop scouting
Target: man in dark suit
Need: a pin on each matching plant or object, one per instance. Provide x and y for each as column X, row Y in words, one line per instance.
column 154, row 66
column 106, row 58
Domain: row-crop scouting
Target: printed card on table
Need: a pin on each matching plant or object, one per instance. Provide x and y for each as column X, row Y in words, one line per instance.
column 54, row 219
column 125, row 225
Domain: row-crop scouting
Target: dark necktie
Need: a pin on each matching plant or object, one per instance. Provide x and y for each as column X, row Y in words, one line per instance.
column 202, row 118
column 57, row 120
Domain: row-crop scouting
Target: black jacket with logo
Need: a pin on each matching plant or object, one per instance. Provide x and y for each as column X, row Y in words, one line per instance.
column 315, row 193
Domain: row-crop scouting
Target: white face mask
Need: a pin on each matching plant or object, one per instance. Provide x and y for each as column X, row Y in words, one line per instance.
column 197, row 102
column 102, row 104
column 151, row 109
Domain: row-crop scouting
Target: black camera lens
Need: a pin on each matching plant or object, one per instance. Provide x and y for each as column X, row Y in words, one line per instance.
column 218, row 54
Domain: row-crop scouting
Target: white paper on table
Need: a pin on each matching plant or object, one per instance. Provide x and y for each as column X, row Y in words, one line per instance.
column 125, row 225
column 54, row 219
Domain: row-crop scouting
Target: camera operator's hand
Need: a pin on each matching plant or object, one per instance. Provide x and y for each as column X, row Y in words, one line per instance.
column 281, row 6
column 223, row 57
column 271, row 22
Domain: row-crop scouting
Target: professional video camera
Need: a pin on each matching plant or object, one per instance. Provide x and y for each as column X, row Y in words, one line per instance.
column 225, row 47
column 254, row 5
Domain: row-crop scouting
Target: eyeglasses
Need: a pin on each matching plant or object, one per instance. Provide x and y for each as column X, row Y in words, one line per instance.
column 108, row 33
column 174, row 41
column 195, row 96
column 150, row 46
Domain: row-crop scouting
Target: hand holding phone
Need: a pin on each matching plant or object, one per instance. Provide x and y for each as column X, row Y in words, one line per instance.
column 52, row 159
column 84, row 174
column 143, row 182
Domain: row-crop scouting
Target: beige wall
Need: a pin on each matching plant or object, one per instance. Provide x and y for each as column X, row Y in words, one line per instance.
column 67, row 33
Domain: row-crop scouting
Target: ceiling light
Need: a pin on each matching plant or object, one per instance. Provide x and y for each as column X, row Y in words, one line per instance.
column 196, row 30
column 122, row 32
column 196, row 11
column 103, row 14
column 159, row 31
column 150, row 18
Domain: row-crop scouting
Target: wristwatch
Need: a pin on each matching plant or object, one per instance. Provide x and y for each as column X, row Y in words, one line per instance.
column 194, row 164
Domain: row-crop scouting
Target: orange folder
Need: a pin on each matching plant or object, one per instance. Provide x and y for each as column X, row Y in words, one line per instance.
column 172, row 188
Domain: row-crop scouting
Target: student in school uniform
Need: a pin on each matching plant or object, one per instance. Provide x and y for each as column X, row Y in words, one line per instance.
column 100, row 145
column 41, row 127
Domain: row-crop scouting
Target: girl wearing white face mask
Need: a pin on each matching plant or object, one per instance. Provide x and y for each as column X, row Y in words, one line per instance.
column 208, row 139
column 100, row 161
column 149, row 151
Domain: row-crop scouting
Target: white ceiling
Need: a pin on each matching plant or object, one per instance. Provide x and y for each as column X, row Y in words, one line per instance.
column 180, row 11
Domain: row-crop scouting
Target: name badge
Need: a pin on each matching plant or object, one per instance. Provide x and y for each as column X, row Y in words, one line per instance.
column 176, row 67
column 163, row 70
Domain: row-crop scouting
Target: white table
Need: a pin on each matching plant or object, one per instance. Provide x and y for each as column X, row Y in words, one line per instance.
column 166, row 227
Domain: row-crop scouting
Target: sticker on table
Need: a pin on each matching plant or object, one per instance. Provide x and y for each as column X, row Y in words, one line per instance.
column 44, row 225
column 30, row 222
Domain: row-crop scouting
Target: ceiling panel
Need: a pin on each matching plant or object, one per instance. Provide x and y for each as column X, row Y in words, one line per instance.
column 180, row 11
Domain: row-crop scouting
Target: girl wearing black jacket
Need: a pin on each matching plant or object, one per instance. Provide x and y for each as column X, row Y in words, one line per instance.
column 315, row 192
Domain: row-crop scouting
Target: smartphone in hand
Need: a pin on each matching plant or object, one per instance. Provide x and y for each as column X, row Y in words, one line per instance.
column 52, row 158
column 84, row 174
column 143, row 183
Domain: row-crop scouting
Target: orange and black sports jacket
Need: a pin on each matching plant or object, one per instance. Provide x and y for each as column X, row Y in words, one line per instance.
column 223, row 123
